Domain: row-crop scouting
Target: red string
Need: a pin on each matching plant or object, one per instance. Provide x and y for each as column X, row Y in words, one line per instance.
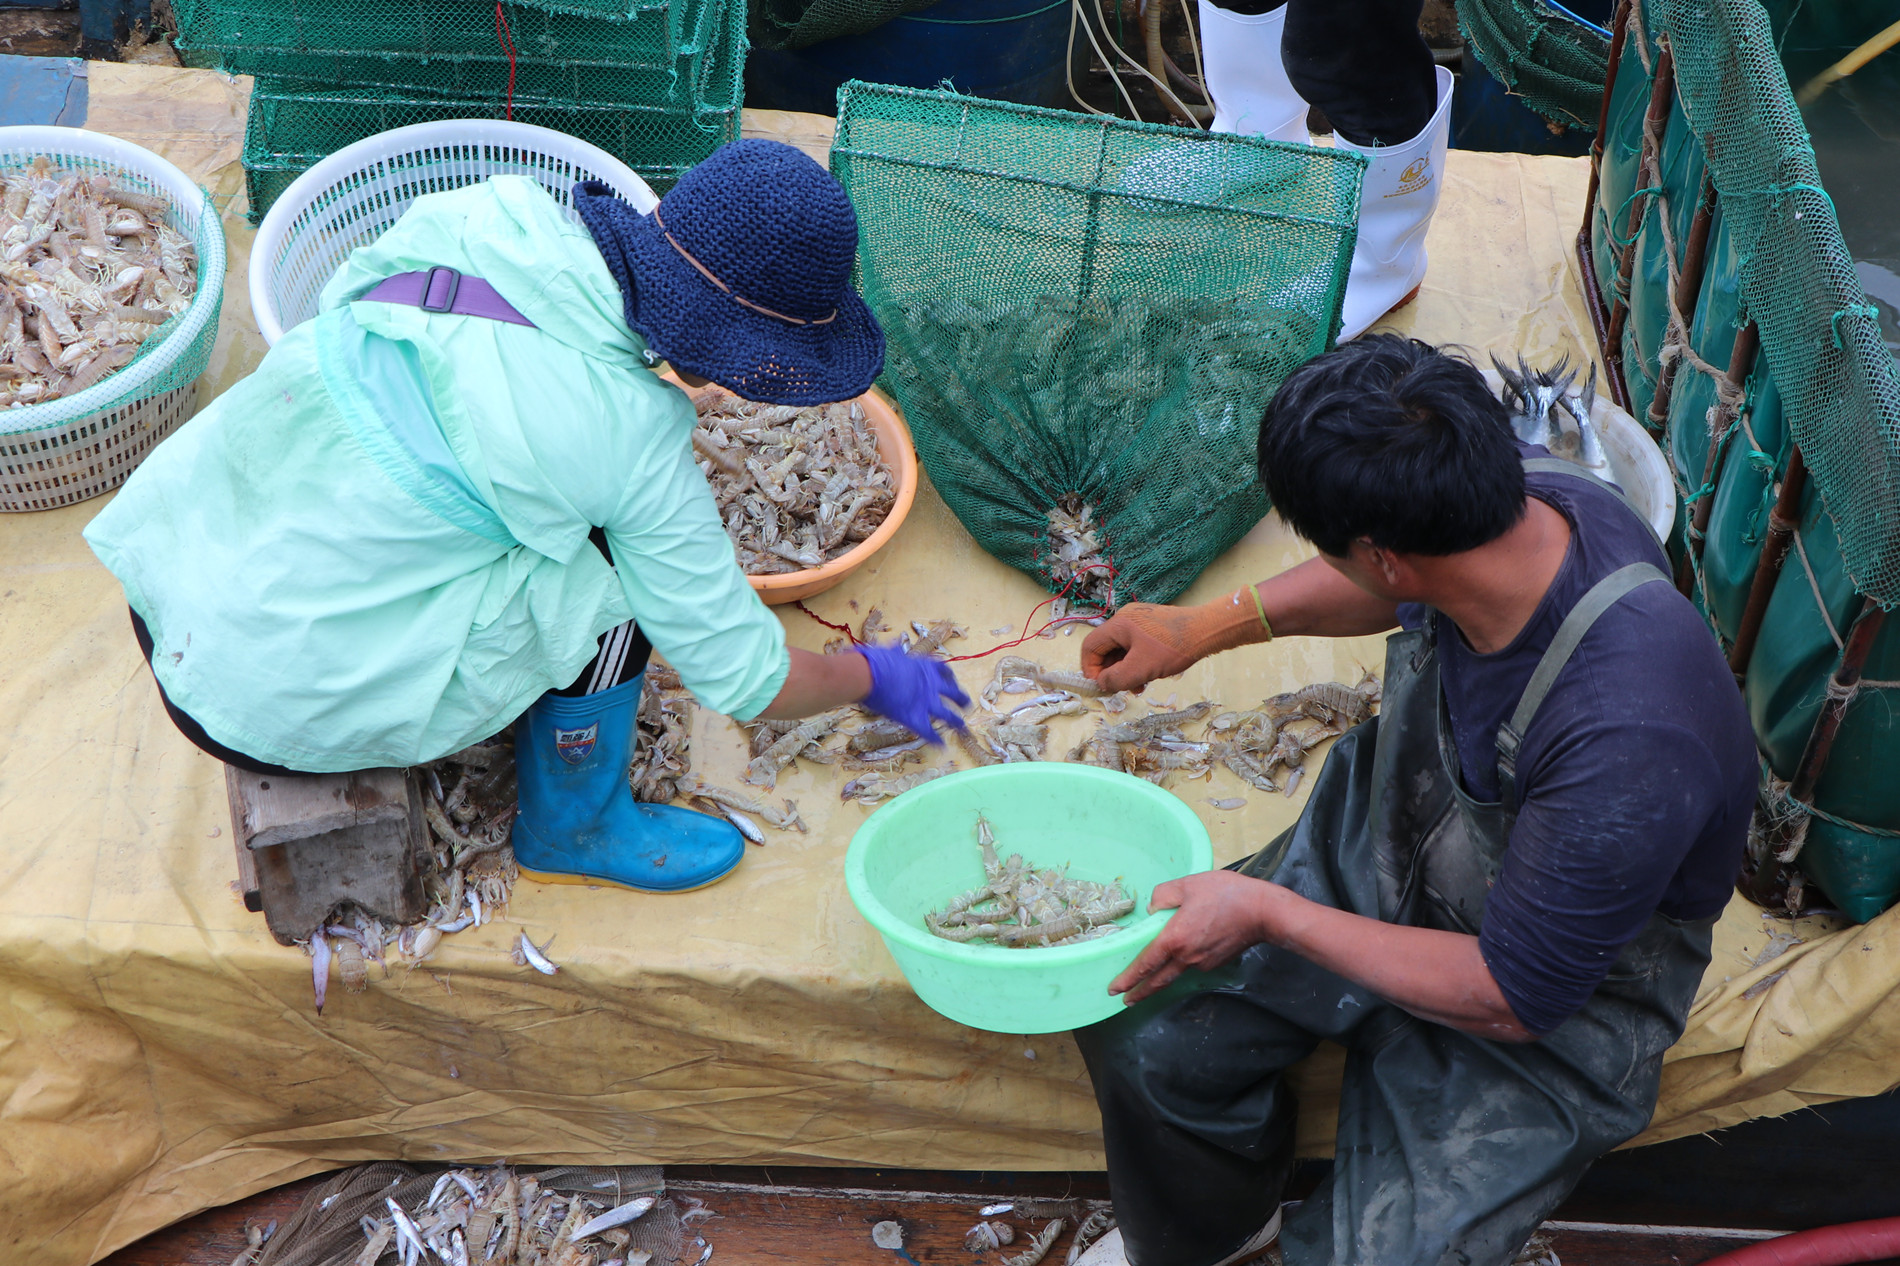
column 505, row 37
column 836, row 628
column 1027, row 636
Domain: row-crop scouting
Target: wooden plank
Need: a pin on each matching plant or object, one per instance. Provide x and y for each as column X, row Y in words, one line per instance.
column 780, row 1223
column 246, row 863
column 317, row 840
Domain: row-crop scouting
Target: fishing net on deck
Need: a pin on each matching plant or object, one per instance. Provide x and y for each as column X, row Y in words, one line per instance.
column 1085, row 318
column 1542, row 52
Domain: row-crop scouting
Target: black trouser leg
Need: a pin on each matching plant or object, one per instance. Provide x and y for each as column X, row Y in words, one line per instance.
column 1362, row 62
column 624, row 649
column 1198, row 1122
column 189, row 727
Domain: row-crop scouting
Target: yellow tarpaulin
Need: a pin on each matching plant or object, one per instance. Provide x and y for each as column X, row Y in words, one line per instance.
column 158, row 1050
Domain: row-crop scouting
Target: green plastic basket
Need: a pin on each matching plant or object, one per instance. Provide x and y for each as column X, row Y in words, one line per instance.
column 920, row 850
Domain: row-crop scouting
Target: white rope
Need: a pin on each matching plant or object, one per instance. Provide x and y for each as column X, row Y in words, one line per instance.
column 1814, row 587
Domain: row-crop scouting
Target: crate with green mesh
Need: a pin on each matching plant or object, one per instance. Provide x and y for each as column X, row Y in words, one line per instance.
column 709, row 78
column 294, row 126
column 449, row 29
column 1086, row 313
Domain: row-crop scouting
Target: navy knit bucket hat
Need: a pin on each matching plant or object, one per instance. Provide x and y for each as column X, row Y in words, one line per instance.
column 743, row 275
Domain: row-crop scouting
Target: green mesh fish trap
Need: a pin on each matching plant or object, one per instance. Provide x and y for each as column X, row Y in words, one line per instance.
column 708, row 80
column 453, row 30
column 1085, row 318
column 1543, row 53
column 292, row 126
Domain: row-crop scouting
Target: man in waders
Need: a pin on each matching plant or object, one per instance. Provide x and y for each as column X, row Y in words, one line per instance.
column 459, row 498
column 1499, row 896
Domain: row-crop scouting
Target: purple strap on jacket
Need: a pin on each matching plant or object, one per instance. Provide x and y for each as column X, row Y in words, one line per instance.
column 443, row 289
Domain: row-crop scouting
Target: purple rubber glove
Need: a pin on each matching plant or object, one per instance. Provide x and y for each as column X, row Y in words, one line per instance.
column 911, row 689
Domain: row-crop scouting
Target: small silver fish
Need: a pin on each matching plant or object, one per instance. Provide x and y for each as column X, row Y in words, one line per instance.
column 536, row 955
column 620, row 1216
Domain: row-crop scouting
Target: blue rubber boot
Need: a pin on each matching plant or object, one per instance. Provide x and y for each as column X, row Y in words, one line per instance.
column 579, row 822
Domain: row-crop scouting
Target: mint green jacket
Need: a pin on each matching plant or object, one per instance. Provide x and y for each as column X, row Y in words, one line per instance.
column 373, row 550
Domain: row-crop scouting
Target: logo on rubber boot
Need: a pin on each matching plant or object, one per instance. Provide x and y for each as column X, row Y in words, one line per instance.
column 1416, row 176
column 576, row 746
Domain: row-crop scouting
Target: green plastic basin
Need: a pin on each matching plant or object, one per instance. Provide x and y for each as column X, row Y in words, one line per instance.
column 917, row 852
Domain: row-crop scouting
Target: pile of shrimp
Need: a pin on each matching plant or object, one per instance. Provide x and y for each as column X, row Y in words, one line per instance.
column 1019, row 906
column 468, row 801
column 88, row 271
column 796, row 487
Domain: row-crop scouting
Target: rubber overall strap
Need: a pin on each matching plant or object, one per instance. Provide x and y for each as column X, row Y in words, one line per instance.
column 442, row 289
column 1558, row 466
column 1603, row 595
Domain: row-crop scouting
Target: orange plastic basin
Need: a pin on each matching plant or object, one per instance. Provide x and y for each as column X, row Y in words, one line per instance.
column 895, row 447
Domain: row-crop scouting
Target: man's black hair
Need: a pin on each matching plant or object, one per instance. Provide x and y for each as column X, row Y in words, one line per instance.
column 1391, row 440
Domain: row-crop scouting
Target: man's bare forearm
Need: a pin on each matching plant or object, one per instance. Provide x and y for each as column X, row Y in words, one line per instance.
column 1313, row 600
column 1437, row 976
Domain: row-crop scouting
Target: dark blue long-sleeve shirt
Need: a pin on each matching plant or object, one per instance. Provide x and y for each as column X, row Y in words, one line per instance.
column 1636, row 778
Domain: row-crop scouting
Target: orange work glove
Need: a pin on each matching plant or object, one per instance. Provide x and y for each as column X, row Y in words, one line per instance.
column 1144, row 641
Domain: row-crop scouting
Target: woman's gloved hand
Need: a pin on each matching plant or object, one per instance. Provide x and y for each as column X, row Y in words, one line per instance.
column 911, row 689
column 1145, row 641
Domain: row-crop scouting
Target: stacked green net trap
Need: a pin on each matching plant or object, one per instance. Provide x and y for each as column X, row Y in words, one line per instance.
column 1825, row 380
column 1086, row 318
column 1542, row 52
column 657, row 83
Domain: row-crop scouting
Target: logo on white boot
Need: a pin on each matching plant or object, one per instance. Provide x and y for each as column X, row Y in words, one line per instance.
column 1417, row 174
column 576, row 746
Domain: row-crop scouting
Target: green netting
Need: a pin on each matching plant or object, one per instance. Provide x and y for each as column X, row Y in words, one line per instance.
column 654, row 38
column 1825, row 379
column 293, row 125
column 710, row 79
column 801, row 23
column 1819, row 336
column 1086, row 312
column 1543, row 53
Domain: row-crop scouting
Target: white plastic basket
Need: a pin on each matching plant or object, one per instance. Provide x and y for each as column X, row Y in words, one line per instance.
column 349, row 198
column 67, row 450
column 1636, row 463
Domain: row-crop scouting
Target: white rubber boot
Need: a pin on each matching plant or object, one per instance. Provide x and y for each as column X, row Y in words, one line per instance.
column 1241, row 55
column 1107, row 1251
column 1396, row 202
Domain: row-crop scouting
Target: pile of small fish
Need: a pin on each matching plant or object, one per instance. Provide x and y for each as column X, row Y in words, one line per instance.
column 497, row 1217
column 1077, row 558
column 1019, row 906
column 1540, row 399
column 796, row 487
column 88, row 271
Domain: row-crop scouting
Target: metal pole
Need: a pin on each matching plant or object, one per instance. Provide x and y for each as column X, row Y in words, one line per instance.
column 1774, row 551
column 1586, row 260
column 1662, row 93
column 1840, row 692
column 1695, row 255
column 1741, row 360
column 1766, row 878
